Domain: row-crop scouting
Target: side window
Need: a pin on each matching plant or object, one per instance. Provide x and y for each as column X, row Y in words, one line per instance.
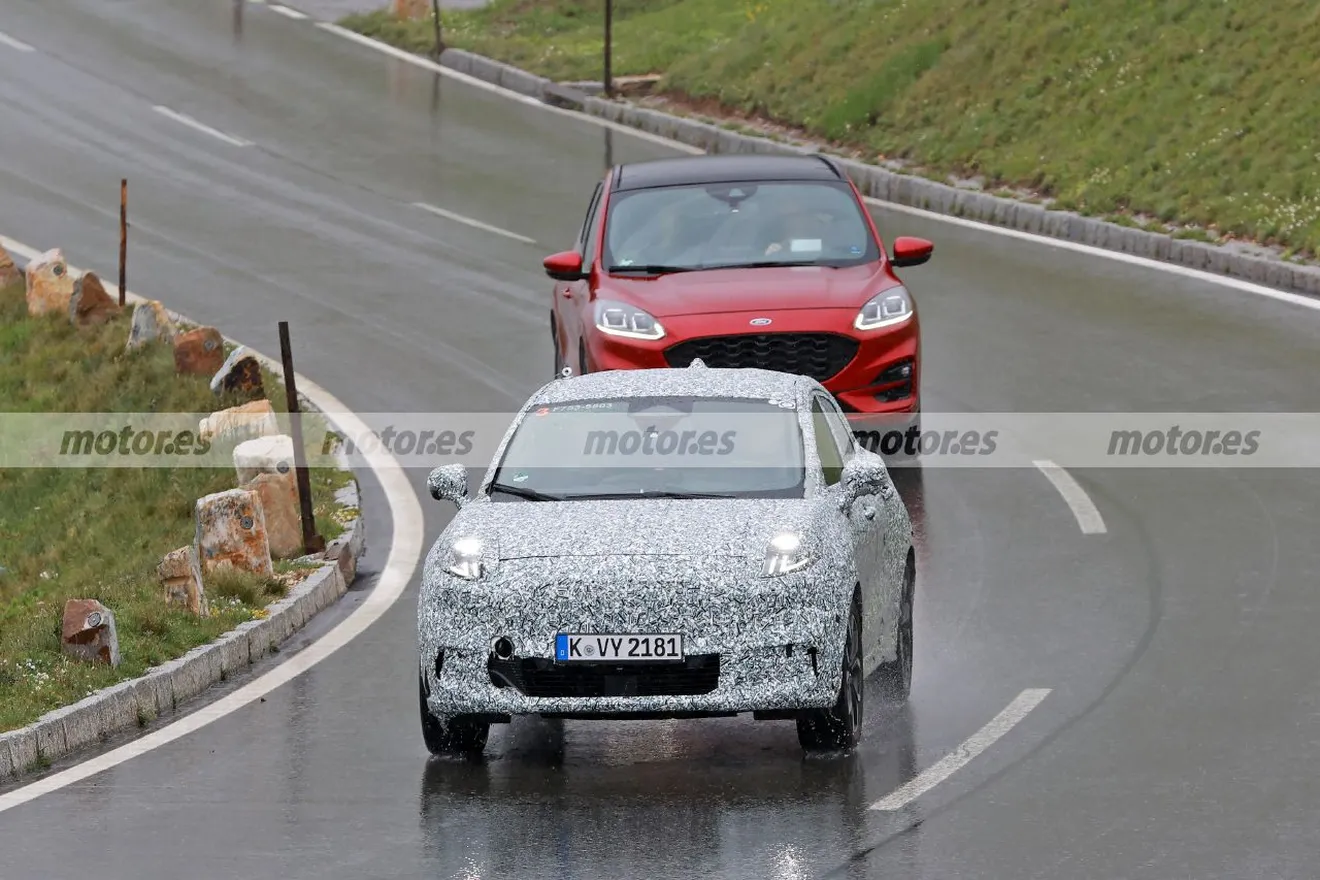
column 586, row 222
column 591, row 232
column 843, row 434
column 831, row 462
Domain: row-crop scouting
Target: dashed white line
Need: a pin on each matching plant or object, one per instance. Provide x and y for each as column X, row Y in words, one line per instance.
column 205, row 129
column 286, row 11
column 1084, row 510
column 450, row 215
column 971, row 747
column 6, row 40
column 406, row 545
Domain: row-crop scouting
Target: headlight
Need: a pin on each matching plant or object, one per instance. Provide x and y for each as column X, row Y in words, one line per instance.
column 892, row 306
column 787, row 553
column 618, row 319
column 465, row 559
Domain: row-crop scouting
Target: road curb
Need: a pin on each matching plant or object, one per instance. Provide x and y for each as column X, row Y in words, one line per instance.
column 163, row 690
column 904, row 189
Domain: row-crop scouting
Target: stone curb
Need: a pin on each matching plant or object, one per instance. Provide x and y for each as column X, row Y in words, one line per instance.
column 904, row 189
column 164, row 689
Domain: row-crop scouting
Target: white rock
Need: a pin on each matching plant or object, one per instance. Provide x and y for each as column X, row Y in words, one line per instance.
column 248, row 421
column 263, row 455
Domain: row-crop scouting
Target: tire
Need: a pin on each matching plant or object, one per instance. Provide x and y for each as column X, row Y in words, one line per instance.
column 840, row 727
column 452, row 736
column 895, row 677
column 583, row 368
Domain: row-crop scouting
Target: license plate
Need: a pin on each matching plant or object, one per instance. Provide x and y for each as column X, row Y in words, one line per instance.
column 576, row 648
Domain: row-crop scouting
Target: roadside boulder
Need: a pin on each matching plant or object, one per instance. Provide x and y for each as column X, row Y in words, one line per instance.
column 283, row 513
column 181, row 575
column 88, row 632
column 150, row 323
column 49, row 286
column 244, row 422
column 264, row 455
column 9, row 274
column 199, row 351
column 239, row 374
column 231, row 533
column 90, row 304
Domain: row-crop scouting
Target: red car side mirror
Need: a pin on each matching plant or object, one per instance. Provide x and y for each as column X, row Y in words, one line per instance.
column 909, row 251
column 564, row 266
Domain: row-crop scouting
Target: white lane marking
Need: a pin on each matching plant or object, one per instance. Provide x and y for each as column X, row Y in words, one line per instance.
column 1084, row 510
column 441, row 212
column 406, row 545
column 969, row 749
column 12, row 43
column 286, row 11
column 1298, row 299
column 194, row 124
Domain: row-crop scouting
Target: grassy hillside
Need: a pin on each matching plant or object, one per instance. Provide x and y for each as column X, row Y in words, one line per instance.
column 1206, row 114
column 100, row 532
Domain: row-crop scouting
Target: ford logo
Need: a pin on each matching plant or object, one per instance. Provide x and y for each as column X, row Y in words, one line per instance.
column 759, row 322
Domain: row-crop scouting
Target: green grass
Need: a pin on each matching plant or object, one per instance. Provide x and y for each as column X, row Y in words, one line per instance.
column 1199, row 114
column 100, row 532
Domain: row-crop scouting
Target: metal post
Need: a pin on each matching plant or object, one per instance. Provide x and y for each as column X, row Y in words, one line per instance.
column 312, row 542
column 123, row 241
column 439, row 46
column 609, row 46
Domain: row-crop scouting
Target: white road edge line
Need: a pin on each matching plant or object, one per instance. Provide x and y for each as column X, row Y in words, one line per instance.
column 1077, row 247
column 965, row 752
column 12, row 43
column 286, row 11
column 194, row 124
column 1083, row 509
column 441, row 212
column 406, row 546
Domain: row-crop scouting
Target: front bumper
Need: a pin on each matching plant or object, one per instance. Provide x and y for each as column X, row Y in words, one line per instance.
column 861, row 385
column 767, row 648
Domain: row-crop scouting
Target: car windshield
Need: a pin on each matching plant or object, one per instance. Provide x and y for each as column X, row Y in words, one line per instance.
column 667, row 447
column 737, row 225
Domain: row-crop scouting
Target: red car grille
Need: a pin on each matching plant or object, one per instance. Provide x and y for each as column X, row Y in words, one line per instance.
column 818, row 355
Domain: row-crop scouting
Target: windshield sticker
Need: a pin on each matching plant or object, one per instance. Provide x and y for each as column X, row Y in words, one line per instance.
column 855, row 251
column 786, row 404
column 520, row 477
column 798, row 245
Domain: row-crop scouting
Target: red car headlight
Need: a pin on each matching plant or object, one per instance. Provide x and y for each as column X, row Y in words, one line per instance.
column 620, row 319
column 885, row 309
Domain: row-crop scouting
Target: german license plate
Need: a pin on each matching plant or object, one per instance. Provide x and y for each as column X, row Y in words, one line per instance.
column 578, row 648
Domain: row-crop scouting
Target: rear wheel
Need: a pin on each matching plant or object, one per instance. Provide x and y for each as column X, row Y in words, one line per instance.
column 896, row 676
column 583, row 368
column 450, row 736
column 839, row 728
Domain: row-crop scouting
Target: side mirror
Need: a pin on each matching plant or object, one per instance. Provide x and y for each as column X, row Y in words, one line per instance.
column 564, row 266
column 909, row 251
column 864, row 475
column 449, row 483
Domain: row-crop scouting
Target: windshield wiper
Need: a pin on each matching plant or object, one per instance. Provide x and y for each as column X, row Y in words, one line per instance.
column 653, row 269
column 520, row 492
column 771, row 264
column 656, row 493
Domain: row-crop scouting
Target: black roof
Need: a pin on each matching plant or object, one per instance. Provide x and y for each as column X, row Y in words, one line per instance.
column 728, row 168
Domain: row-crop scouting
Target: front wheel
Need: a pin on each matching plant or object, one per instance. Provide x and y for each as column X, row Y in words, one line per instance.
column 839, row 728
column 450, row 736
column 896, row 676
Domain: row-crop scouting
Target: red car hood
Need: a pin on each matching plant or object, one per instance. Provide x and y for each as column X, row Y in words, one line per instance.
column 749, row 290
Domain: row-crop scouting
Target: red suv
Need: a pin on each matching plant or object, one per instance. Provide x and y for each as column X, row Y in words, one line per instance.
column 741, row 261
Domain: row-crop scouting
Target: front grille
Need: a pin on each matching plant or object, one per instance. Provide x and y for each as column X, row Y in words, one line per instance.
column 535, row 677
column 818, row 355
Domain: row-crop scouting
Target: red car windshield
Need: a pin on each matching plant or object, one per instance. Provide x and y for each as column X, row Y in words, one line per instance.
column 732, row 225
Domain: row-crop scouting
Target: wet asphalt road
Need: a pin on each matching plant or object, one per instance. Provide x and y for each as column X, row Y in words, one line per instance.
column 1184, row 715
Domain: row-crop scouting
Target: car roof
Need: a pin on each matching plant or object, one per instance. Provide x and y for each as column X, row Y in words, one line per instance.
column 687, row 170
column 745, row 382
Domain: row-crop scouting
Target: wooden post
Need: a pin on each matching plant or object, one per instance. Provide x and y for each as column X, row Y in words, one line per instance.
column 312, row 542
column 609, row 46
column 123, row 241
